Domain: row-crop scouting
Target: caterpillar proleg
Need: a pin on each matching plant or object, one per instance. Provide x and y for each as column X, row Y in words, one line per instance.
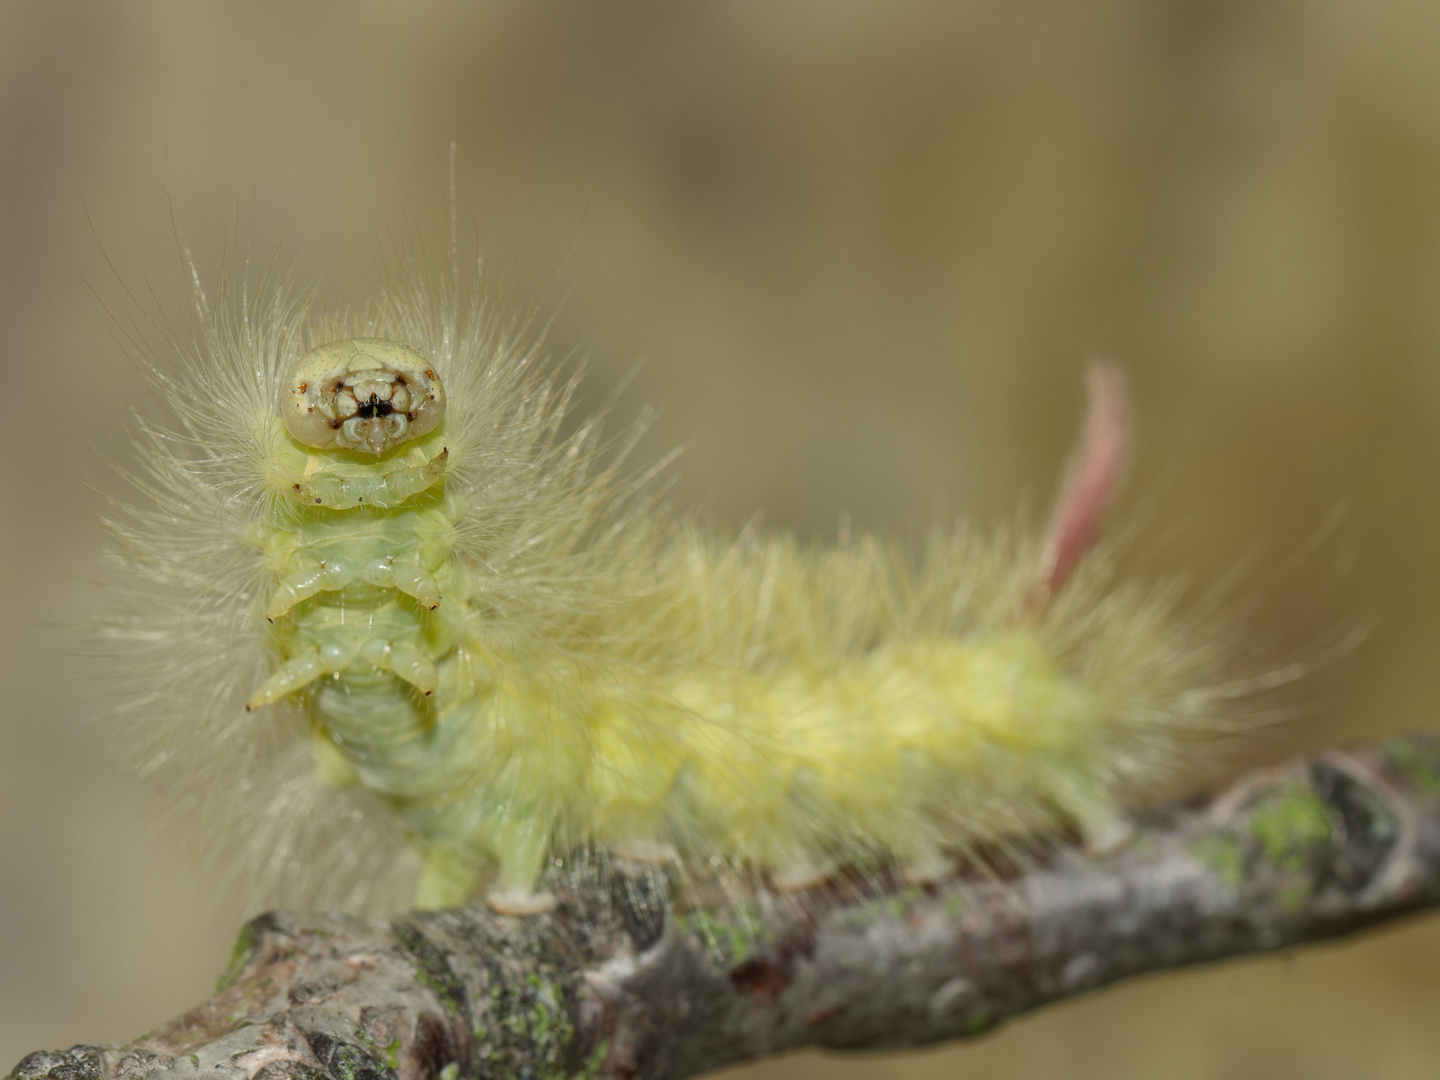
column 372, row 583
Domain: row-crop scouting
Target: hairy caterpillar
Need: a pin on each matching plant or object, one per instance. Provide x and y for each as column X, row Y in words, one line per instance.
column 371, row 583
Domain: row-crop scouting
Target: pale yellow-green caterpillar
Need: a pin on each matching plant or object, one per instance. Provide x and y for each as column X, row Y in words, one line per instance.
column 376, row 599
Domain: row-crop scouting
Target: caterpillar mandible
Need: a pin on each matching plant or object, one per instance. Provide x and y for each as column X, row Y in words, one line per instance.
column 373, row 588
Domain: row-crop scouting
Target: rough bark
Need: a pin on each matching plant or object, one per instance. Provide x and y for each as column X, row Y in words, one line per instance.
column 617, row 982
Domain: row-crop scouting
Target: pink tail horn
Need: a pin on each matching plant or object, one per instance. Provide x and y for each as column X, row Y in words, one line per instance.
column 1090, row 482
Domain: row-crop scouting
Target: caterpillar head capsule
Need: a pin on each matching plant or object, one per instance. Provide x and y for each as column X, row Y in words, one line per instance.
column 362, row 394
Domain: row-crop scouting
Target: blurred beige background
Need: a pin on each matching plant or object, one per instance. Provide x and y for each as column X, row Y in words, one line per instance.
column 864, row 249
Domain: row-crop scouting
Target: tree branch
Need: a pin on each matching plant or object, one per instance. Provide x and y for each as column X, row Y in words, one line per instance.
column 616, row 983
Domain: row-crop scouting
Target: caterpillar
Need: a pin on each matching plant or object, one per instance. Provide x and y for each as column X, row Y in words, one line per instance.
column 385, row 611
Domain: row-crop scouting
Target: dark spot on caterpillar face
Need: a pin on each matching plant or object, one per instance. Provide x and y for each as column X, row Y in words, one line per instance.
column 410, row 416
column 374, row 407
column 304, row 387
column 429, row 374
column 317, row 498
column 336, row 424
column 297, row 487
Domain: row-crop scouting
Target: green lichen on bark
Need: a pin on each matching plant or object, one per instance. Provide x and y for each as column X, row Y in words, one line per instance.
column 730, row 936
column 1291, row 824
column 524, row 982
column 240, row 954
column 1417, row 759
column 431, row 967
column 1223, row 853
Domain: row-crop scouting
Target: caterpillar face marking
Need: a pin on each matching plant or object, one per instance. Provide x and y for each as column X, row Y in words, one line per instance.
column 364, row 394
column 485, row 629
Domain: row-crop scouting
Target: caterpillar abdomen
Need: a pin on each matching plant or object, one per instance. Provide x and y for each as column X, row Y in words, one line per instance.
column 486, row 628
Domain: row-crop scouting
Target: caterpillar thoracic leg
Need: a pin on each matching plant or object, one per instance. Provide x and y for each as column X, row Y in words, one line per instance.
column 295, row 674
column 406, row 662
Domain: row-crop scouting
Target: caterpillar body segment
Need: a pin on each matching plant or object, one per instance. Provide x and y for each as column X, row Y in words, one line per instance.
column 457, row 611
